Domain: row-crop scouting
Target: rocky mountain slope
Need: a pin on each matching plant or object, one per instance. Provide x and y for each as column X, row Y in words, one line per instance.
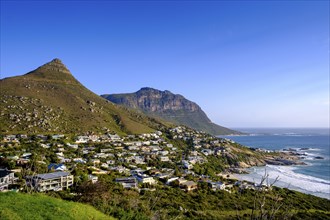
column 50, row 99
column 170, row 107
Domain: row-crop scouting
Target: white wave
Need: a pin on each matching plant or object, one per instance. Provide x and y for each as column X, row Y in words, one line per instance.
column 311, row 154
column 289, row 179
column 308, row 158
column 314, row 149
column 293, row 148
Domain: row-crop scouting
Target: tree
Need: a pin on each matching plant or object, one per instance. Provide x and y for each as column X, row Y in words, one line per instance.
column 267, row 203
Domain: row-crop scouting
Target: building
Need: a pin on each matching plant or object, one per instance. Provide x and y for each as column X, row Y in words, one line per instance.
column 6, row 178
column 216, row 185
column 50, row 181
column 143, row 178
column 189, row 185
column 127, row 182
column 164, row 159
column 93, row 178
column 57, row 167
column 187, row 165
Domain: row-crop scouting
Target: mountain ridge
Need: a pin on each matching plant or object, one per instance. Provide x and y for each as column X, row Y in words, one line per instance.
column 171, row 107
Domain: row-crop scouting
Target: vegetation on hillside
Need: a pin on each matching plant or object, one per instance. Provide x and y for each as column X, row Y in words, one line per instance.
column 173, row 203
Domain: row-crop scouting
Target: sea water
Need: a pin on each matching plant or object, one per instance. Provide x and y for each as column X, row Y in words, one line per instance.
column 313, row 178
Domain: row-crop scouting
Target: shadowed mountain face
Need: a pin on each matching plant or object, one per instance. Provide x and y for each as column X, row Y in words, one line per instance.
column 170, row 107
column 50, row 99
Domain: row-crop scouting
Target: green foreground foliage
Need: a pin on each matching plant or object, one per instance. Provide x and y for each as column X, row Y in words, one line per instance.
column 17, row 206
column 173, row 203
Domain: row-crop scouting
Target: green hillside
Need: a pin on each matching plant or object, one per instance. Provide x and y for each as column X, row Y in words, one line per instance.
column 50, row 100
column 18, row 206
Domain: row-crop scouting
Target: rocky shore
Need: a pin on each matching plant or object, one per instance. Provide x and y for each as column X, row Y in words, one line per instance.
column 285, row 158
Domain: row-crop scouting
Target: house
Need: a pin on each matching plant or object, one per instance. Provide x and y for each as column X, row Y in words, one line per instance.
column 143, row 178
column 207, row 152
column 56, row 181
column 187, row 165
column 114, row 137
column 93, row 178
column 137, row 171
column 6, row 178
column 163, row 153
column 73, row 146
column 95, row 161
column 105, row 150
column 169, row 145
column 26, row 155
column 197, row 146
column 120, row 169
column 139, row 159
column 79, row 160
column 219, row 150
column 133, row 147
column 105, row 165
column 163, row 175
column 188, row 185
column 181, row 181
column 22, row 136
column 57, row 167
column 170, row 180
column 10, row 138
column 155, row 148
column 111, row 162
column 82, row 139
column 216, row 185
column 42, row 137
column 127, row 182
column 57, row 136
column 164, row 159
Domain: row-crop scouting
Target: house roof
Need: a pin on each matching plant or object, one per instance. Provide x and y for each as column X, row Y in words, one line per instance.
column 4, row 173
column 189, row 183
column 46, row 176
column 55, row 166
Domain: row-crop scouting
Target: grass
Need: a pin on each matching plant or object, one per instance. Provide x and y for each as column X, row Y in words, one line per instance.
column 17, row 206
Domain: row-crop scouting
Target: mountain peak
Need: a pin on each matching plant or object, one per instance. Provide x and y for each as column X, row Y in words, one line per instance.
column 149, row 89
column 55, row 65
column 56, row 60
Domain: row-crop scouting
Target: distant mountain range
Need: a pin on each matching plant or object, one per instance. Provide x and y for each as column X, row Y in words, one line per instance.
column 169, row 107
column 50, row 99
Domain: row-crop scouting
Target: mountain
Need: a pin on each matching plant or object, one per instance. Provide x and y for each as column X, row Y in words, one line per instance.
column 170, row 107
column 49, row 99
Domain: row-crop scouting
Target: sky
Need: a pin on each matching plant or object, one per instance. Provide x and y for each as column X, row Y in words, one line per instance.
column 246, row 63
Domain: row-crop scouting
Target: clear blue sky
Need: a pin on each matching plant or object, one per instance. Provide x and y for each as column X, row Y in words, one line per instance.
column 246, row 63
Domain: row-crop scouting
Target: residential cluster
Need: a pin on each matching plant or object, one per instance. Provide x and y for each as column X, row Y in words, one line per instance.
column 139, row 161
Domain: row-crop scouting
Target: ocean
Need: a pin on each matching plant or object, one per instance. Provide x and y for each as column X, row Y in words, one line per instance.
column 313, row 178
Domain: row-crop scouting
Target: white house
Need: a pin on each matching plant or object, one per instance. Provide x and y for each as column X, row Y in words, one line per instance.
column 143, row 178
column 6, row 178
column 51, row 181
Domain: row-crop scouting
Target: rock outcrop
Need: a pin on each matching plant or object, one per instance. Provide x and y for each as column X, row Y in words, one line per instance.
column 55, row 65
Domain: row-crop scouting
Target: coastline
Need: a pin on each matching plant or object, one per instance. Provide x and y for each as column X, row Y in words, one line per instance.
column 307, row 151
column 287, row 178
column 282, row 167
